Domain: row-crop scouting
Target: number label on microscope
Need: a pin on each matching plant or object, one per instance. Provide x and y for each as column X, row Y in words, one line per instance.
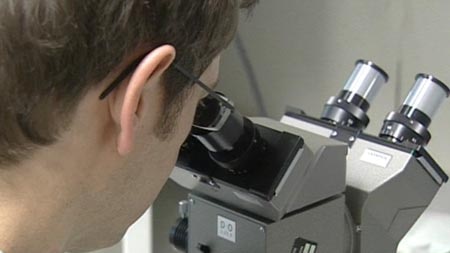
column 226, row 229
column 376, row 158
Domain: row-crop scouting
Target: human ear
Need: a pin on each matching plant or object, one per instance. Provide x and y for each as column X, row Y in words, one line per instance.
column 128, row 98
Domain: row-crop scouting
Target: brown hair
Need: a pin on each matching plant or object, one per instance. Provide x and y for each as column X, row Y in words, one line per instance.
column 53, row 51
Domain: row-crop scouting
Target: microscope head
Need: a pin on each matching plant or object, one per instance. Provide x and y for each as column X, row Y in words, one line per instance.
column 257, row 165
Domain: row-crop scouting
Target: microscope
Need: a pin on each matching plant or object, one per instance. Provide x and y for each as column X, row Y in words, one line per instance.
column 306, row 184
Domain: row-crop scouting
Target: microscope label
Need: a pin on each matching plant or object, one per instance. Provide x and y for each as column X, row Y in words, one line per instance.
column 226, row 229
column 376, row 158
column 304, row 246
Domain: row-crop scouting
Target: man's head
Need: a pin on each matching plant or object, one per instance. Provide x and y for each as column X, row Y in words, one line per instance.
column 56, row 57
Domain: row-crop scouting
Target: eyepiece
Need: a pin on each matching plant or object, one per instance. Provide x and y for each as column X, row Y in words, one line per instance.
column 366, row 80
column 414, row 117
column 217, row 127
column 231, row 139
column 350, row 107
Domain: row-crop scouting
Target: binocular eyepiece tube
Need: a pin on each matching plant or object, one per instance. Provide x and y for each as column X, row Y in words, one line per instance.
column 410, row 123
column 350, row 106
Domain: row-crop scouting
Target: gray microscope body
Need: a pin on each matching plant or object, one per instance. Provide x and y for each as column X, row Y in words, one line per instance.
column 308, row 185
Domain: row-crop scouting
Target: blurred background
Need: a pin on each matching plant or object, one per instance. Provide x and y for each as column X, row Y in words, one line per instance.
column 299, row 53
